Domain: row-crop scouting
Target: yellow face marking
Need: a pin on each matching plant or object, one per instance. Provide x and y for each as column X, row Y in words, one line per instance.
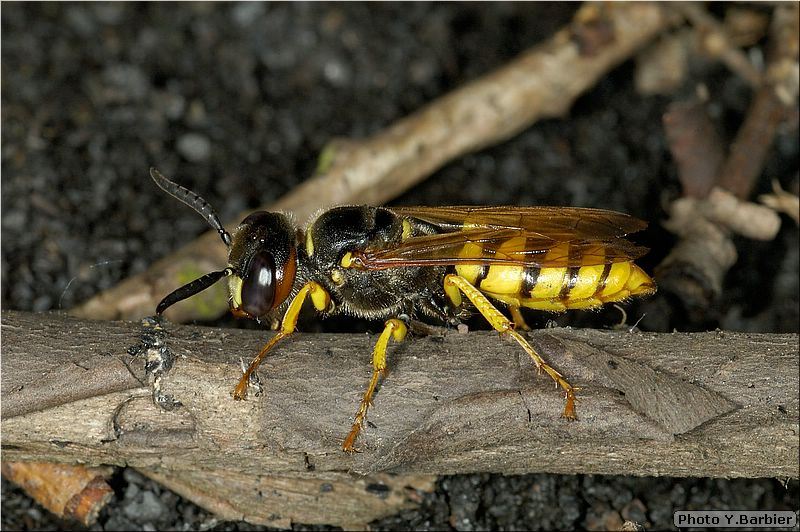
column 235, row 287
column 407, row 230
column 309, row 244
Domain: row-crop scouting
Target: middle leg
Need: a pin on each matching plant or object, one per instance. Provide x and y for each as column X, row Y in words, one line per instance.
column 396, row 329
column 519, row 320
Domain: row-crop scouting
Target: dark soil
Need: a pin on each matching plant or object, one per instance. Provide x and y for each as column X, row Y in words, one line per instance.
column 236, row 100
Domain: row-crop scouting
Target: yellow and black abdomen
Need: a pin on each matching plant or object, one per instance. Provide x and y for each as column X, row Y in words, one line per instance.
column 554, row 288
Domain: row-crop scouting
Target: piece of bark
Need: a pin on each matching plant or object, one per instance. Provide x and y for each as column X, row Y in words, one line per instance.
column 706, row 404
column 770, row 106
column 541, row 83
column 70, row 492
column 278, row 500
column 695, row 146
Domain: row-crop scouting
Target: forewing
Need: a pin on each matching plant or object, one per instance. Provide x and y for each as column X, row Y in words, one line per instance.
column 482, row 245
column 558, row 223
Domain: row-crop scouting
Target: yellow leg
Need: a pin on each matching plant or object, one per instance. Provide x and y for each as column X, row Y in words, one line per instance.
column 519, row 321
column 397, row 330
column 321, row 300
column 455, row 285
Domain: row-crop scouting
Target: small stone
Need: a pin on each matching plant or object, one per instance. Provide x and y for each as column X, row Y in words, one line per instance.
column 195, row 147
column 148, row 510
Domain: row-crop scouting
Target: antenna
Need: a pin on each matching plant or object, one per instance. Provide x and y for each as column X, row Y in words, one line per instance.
column 187, row 197
column 188, row 290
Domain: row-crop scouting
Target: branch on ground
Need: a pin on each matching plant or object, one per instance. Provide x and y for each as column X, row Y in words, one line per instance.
column 708, row 404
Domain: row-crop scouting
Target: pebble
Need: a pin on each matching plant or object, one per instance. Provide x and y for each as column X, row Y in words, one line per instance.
column 195, row 147
column 148, row 509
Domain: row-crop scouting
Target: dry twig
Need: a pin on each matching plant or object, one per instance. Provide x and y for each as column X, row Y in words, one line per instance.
column 695, row 268
column 714, row 40
column 70, row 492
column 710, row 404
column 782, row 201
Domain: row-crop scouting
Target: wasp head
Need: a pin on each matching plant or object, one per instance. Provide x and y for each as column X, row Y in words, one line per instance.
column 263, row 258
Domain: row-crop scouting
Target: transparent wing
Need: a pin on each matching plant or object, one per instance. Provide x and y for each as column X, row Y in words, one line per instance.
column 481, row 245
column 558, row 223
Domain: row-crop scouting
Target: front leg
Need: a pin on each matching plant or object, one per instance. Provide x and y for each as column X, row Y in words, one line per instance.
column 396, row 329
column 321, row 300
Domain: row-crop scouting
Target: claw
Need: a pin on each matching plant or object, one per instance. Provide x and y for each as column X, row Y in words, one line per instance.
column 349, row 445
column 569, row 408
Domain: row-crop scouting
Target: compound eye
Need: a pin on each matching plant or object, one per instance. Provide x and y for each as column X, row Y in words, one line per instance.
column 258, row 285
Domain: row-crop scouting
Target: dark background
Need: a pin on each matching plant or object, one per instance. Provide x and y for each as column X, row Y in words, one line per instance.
column 235, row 101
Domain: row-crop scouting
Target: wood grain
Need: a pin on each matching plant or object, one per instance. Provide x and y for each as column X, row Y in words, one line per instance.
column 704, row 404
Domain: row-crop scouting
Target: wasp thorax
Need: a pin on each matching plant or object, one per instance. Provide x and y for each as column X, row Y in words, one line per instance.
column 345, row 229
column 264, row 260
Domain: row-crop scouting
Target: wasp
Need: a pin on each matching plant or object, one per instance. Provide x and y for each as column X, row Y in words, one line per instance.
column 403, row 264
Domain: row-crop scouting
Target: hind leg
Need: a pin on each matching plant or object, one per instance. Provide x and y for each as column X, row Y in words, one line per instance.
column 455, row 285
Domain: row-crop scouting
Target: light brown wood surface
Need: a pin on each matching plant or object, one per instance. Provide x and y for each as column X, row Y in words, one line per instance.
column 704, row 404
column 707, row 404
